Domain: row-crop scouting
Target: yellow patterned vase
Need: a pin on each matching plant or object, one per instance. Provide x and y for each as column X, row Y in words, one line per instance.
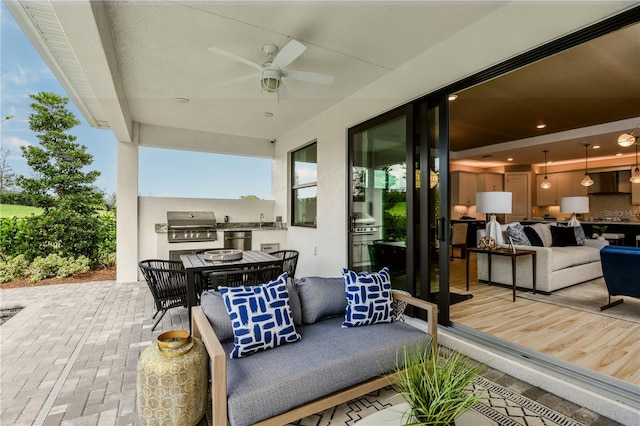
column 172, row 381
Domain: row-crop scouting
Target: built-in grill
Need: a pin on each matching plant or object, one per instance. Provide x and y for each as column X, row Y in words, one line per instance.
column 185, row 227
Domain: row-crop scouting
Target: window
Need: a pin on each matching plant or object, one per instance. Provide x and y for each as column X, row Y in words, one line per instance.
column 304, row 186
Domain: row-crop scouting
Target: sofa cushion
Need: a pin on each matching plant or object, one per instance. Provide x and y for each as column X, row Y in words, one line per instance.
column 213, row 307
column 216, row 312
column 565, row 257
column 369, row 298
column 321, row 298
column 580, row 236
column 517, row 234
column 533, row 237
column 260, row 316
column 327, row 359
column 562, row 236
column 545, row 233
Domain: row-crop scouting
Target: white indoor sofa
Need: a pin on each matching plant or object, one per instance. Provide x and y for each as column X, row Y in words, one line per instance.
column 556, row 267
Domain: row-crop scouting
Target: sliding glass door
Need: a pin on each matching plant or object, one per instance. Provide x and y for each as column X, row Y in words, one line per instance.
column 398, row 167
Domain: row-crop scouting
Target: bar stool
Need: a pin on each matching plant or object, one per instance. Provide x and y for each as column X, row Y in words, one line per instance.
column 614, row 238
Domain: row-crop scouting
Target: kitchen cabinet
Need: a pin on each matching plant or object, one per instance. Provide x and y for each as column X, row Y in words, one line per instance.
column 578, row 190
column 490, row 182
column 518, row 183
column 635, row 194
column 464, row 186
column 562, row 185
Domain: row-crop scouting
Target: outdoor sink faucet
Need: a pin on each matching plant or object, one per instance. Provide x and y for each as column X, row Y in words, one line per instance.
column 261, row 219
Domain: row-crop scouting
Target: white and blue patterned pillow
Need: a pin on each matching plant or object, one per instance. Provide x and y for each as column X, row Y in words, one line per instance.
column 260, row 316
column 369, row 298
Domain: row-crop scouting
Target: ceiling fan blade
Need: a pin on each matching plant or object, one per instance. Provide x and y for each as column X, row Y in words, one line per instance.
column 238, row 80
column 288, row 54
column 283, row 93
column 234, row 57
column 311, row 77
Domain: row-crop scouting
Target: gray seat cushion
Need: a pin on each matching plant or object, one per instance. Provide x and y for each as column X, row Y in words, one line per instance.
column 327, row 359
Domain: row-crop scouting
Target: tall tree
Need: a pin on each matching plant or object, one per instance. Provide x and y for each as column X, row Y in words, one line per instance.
column 59, row 180
column 60, row 185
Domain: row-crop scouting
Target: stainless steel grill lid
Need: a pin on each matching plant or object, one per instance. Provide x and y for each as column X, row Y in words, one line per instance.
column 191, row 226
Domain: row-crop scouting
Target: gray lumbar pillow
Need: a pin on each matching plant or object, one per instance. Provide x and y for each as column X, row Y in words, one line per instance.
column 321, row 297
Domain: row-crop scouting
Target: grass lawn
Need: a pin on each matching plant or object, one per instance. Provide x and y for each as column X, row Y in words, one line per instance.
column 400, row 209
column 8, row 210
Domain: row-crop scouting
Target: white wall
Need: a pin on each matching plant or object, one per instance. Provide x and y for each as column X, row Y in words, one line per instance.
column 152, row 210
column 512, row 29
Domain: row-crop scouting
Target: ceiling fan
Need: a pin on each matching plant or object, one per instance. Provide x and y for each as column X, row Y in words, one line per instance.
column 272, row 71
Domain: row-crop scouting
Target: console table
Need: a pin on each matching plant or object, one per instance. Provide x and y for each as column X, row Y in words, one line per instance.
column 509, row 253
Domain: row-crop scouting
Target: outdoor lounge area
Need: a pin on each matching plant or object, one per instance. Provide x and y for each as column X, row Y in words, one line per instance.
column 69, row 357
column 378, row 124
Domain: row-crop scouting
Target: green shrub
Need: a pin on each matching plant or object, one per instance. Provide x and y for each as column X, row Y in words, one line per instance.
column 13, row 269
column 56, row 266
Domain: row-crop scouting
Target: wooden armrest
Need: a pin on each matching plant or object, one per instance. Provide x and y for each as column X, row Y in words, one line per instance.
column 432, row 314
column 202, row 329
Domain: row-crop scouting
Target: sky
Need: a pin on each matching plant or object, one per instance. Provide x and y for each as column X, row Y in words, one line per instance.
column 162, row 172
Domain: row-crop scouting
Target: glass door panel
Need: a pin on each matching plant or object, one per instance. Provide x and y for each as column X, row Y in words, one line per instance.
column 378, row 210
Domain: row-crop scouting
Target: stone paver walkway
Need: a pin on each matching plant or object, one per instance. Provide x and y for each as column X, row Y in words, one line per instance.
column 69, row 357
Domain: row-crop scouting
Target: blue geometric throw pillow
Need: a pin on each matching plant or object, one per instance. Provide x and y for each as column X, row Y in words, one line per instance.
column 260, row 316
column 369, row 298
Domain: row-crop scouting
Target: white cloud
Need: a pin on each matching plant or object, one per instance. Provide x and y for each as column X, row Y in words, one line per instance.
column 14, row 143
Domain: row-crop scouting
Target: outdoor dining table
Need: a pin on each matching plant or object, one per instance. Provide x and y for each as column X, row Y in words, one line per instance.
column 198, row 263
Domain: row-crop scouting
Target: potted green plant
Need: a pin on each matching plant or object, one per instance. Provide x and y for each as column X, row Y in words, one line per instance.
column 600, row 229
column 437, row 386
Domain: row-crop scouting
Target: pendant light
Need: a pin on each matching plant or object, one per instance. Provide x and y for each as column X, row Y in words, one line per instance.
column 586, row 180
column 635, row 174
column 628, row 139
column 545, row 182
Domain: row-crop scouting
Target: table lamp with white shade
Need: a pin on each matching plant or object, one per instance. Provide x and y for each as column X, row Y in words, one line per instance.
column 492, row 203
column 574, row 205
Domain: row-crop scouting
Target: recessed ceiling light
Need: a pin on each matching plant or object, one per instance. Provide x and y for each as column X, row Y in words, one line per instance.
column 183, row 100
column 510, row 159
column 267, row 114
column 596, row 147
column 549, row 162
column 453, row 97
column 541, row 126
column 618, row 154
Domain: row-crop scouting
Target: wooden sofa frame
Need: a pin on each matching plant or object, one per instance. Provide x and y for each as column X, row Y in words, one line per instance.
column 202, row 329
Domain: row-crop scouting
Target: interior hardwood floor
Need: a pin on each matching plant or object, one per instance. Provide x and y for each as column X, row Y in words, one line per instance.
column 603, row 344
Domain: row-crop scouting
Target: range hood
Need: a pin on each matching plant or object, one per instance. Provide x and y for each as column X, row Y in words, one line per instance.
column 611, row 183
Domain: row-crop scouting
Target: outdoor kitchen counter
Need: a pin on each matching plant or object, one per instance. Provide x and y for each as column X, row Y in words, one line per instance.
column 161, row 228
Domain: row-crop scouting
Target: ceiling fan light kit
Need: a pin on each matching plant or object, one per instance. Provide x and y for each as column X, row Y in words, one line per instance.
column 271, row 72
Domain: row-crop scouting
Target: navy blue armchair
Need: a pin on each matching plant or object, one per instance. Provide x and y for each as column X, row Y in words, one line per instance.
column 621, row 270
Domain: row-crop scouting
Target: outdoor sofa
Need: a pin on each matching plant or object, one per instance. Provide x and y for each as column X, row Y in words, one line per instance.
column 561, row 261
column 327, row 366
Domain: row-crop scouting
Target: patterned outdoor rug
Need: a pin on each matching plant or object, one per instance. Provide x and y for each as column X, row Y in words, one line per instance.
column 589, row 297
column 499, row 405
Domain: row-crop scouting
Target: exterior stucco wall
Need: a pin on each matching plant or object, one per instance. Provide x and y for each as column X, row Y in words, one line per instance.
column 512, row 29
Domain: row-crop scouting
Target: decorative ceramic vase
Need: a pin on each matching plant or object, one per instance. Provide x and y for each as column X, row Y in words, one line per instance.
column 172, row 380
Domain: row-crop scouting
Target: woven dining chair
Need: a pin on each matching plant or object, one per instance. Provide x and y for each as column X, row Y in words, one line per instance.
column 245, row 276
column 290, row 261
column 167, row 281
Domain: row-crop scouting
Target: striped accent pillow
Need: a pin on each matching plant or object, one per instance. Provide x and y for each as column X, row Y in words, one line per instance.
column 369, row 298
column 260, row 316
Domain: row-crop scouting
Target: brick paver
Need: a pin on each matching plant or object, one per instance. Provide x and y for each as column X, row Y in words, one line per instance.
column 38, row 345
